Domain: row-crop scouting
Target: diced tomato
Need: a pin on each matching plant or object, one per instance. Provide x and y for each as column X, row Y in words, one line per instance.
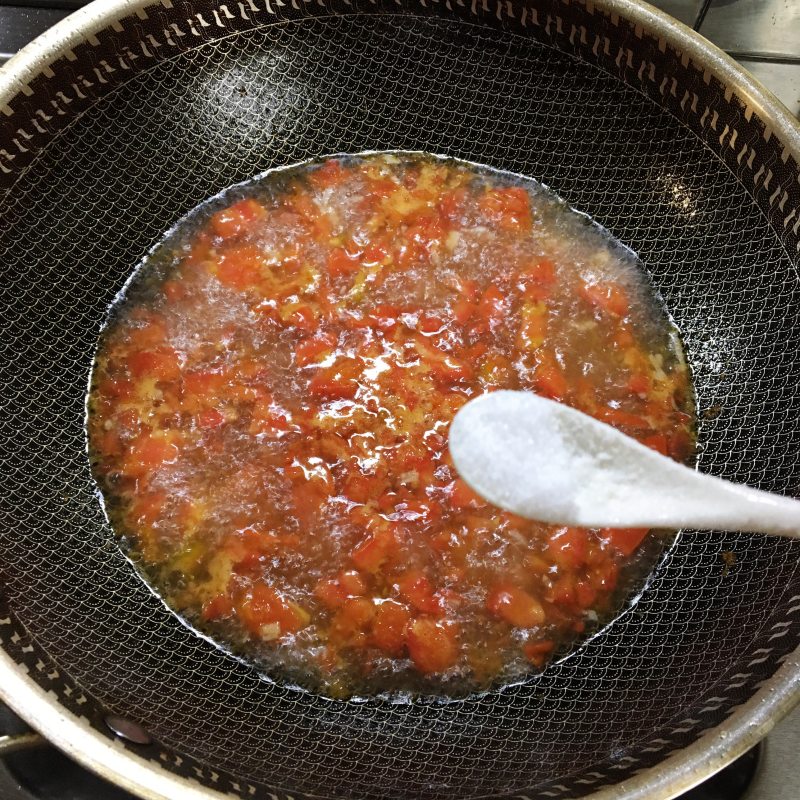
column 384, row 317
column 536, row 564
column 375, row 551
column 149, row 452
column 217, row 607
column 426, row 231
column 333, row 592
column 388, row 501
column 451, row 369
column 307, row 500
column 147, row 508
column 310, row 350
column 620, row 418
column 509, row 208
column 418, row 510
column 538, row 280
column 302, row 204
column 433, row 646
column 319, row 223
column 463, row 310
column 161, row 364
column 623, row 337
column 251, row 541
column 408, row 253
column 680, row 445
column 115, row 388
column 606, row 297
column 238, row 218
column 624, row 540
column 515, row 606
column 353, row 583
column 374, row 253
column 360, row 488
column 443, row 365
column 337, row 381
column 569, row 547
column 108, row 444
column 477, row 351
column 468, row 289
column 563, row 591
column 268, row 419
column 331, row 173
column 333, row 447
column 389, row 627
column 658, row 442
column 379, row 189
column 205, row 384
column 210, row 418
column 261, row 607
column 492, row 306
column 240, row 267
column 301, row 315
column 639, row 383
column 352, row 621
column 415, row 587
column 249, row 563
column 462, row 496
column 537, row 652
column 341, row 263
column 330, row 593
column 549, row 378
column 430, row 323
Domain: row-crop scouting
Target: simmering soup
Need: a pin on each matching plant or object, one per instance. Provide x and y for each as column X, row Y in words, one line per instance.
column 270, row 406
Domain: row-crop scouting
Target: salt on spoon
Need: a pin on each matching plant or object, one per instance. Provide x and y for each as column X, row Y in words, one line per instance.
column 543, row 460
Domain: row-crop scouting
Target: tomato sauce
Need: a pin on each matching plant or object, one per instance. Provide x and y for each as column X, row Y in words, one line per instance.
column 270, row 403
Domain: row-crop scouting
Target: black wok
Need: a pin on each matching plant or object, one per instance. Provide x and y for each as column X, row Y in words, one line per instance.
column 116, row 123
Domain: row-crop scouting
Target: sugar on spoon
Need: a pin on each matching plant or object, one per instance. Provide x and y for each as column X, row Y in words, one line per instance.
column 543, row 460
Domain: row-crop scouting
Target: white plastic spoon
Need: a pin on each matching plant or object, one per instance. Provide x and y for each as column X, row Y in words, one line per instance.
column 543, row 460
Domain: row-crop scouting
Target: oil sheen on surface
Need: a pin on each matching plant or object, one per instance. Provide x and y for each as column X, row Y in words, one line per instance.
column 270, row 404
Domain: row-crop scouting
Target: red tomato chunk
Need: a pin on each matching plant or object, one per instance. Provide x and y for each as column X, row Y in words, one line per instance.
column 269, row 420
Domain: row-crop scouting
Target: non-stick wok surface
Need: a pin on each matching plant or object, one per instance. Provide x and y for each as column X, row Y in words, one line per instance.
column 172, row 106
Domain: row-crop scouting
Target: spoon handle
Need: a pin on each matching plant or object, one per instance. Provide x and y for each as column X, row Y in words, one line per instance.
column 711, row 502
column 651, row 490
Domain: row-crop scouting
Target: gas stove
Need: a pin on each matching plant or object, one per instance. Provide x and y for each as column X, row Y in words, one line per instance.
column 764, row 36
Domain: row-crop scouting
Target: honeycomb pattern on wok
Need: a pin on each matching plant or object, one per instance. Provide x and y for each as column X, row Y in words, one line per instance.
column 103, row 191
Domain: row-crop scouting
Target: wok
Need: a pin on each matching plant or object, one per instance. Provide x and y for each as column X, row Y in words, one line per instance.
column 118, row 121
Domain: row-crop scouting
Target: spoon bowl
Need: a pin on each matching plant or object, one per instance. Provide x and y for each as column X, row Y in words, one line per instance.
column 543, row 460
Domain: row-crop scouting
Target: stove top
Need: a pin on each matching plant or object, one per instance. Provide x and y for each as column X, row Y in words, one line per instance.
column 764, row 36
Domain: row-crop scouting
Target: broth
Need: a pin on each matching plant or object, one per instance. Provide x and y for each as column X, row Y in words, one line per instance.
column 270, row 402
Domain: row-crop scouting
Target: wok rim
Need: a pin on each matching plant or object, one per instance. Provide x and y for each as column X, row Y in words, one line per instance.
column 678, row 772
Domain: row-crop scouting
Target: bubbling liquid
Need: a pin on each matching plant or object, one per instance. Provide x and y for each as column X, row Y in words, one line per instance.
column 270, row 403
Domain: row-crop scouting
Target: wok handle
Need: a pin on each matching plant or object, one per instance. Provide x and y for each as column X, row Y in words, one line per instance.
column 20, row 741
